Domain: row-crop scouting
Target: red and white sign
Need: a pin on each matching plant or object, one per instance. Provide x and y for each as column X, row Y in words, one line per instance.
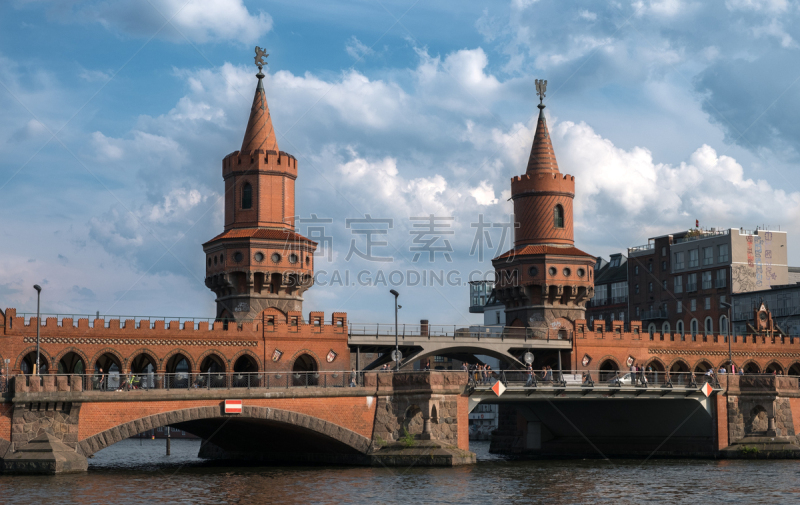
column 706, row 389
column 499, row 388
column 233, row 406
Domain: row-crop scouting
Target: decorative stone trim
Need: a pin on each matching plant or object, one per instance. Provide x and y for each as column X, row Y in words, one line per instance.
column 699, row 352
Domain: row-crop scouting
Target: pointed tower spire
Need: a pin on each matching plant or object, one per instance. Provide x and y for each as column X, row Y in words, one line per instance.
column 542, row 155
column 260, row 134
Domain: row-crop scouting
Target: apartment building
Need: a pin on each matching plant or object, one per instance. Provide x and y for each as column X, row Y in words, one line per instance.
column 678, row 281
column 610, row 302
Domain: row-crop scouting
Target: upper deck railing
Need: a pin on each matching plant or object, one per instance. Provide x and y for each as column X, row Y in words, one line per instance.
column 405, row 331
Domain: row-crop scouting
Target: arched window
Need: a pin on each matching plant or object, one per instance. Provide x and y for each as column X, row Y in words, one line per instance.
column 679, row 327
column 709, row 325
column 723, row 324
column 558, row 216
column 665, row 328
column 693, row 327
column 247, row 196
column 651, row 329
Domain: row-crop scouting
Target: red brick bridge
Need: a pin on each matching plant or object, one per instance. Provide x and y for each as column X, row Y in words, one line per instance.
column 314, row 423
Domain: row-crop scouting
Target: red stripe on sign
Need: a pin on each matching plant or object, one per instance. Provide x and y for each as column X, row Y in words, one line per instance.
column 233, row 406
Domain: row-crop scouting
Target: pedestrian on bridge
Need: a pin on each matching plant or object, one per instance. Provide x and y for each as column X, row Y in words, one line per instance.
column 353, row 377
column 529, row 369
column 633, row 374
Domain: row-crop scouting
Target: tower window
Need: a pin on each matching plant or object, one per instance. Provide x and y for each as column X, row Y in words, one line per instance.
column 247, row 196
column 558, row 216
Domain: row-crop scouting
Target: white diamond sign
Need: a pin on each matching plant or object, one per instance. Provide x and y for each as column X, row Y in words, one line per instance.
column 706, row 389
column 498, row 388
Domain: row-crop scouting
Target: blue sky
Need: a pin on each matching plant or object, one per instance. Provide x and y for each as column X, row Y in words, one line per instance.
column 116, row 116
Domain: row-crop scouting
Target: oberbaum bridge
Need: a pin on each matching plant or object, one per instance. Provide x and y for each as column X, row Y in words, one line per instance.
column 260, row 382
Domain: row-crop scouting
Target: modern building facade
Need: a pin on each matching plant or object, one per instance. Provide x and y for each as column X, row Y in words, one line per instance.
column 678, row 281
column 479, row 292
column 610, row 302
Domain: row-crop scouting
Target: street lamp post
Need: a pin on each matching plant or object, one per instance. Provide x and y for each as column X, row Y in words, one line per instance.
column 396, row 344
column 38, row 289
column 730, row 321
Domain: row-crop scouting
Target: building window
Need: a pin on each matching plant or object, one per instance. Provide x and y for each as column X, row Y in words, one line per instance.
column 679, row 327
column 693, row 327
column 619, row 292
column 636, row 289
column 708, row 256
column 691, row 283
column 721, row 300
column 650, row 267
column 650, row 287
column 622, row 316
column 247, row 196
column 678, row 284
column 665, row 328
column 679, row 307
column 723, row 253
column 707, row 280
column 558, row 216
column 636, row 270
column 694, row 260
column 663, row 266
column 708, row 303
column 723, row 324
column 663, row 251
column 679, row 260
column 709, row 325
column 664, row 284
column 601, row 294
column 637, row 311
column 722, row 278
column 693, row 304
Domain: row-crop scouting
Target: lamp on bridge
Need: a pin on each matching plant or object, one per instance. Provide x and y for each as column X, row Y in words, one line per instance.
column 396, row 345
column 38, row 289
column 730, row 320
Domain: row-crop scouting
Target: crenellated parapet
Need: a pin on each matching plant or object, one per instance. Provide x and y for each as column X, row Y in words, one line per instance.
column 542, row 183
column 259, row 161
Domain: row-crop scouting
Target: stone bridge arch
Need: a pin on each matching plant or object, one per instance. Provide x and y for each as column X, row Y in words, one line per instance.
column 188, row 420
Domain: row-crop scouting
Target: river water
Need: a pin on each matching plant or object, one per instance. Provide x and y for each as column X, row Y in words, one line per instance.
column 136, row 472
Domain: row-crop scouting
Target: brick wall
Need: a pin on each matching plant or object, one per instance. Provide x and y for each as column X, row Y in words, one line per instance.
column 125, row 340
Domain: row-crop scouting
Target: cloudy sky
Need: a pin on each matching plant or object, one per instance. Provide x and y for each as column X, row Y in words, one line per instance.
column 116, row 116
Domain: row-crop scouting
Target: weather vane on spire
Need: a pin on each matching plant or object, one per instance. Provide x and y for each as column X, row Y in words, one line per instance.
column 262, row 53
column 541, row 87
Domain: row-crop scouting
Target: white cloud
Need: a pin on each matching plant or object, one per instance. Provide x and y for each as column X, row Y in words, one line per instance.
column 484, row 194
column 625, row 192
column 199, row 20
column 356, row 48
column 587, row 15
column 775, row 29
column 758, row 5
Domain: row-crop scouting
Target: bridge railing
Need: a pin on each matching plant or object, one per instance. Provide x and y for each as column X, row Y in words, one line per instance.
column 115, row 382
column 478, row 332
column 604, row 378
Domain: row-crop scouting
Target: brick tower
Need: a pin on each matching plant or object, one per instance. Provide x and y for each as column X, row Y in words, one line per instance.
column 259, row 261
column 544, row 281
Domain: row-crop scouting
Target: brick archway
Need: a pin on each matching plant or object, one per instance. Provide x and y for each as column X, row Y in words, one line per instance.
column 225, row 362
column 138, row 352
column 183, row 352
column 108, row 350
column 58, row 357
column 101, row 440
column 28, row 350
column 249, row 353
